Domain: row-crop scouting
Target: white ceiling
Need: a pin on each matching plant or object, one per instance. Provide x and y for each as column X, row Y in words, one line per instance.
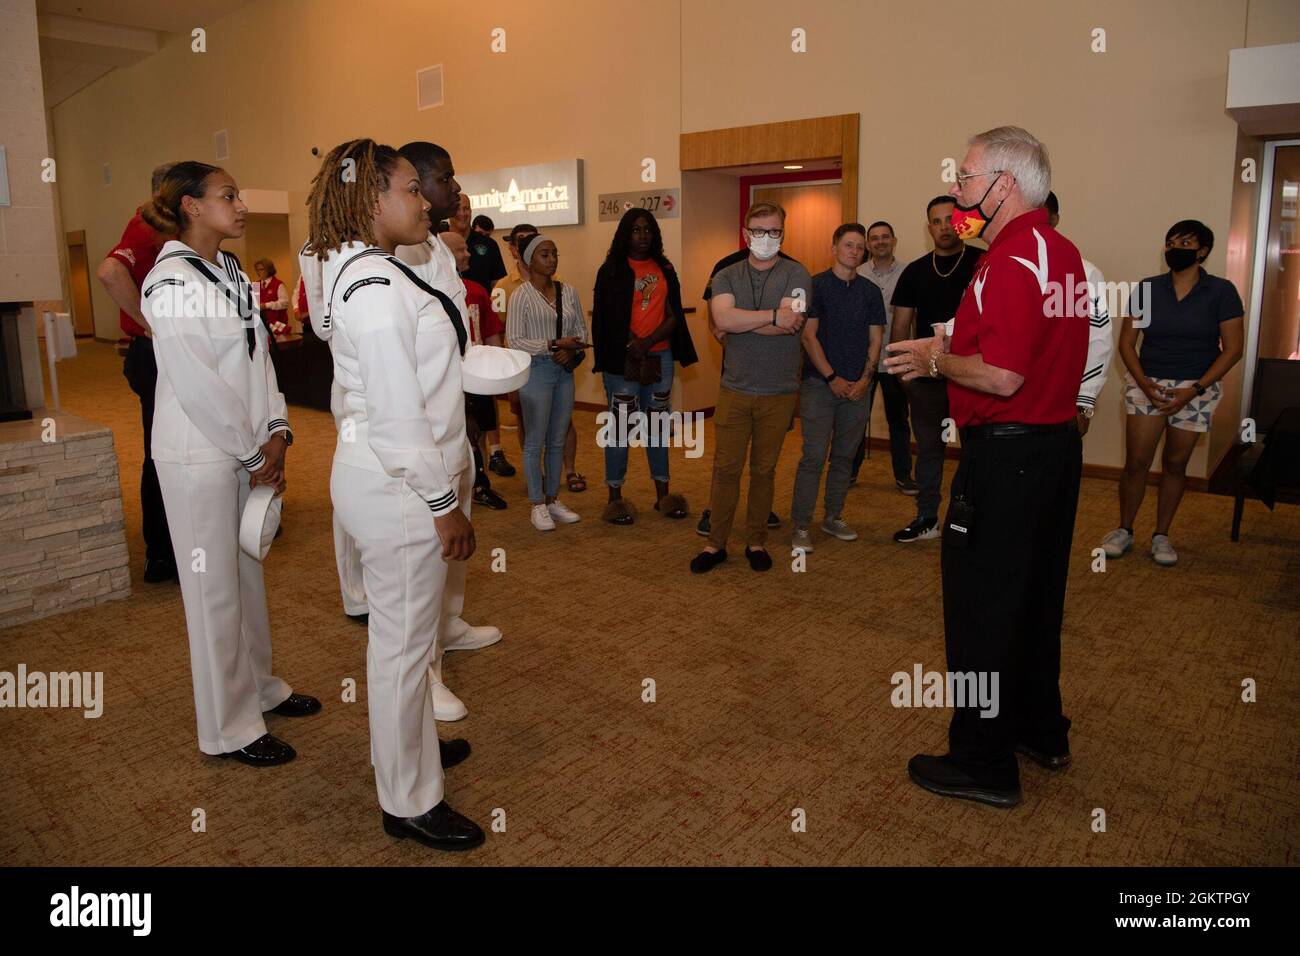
column 81, row 40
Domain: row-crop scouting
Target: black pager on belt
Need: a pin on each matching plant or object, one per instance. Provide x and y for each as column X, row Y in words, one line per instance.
column 960, row 525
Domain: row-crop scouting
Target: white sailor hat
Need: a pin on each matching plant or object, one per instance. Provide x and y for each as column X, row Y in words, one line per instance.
column 489, row 370
column 260, row 521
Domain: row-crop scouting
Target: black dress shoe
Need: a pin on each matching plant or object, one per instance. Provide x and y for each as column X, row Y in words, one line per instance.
column 702, row 528
column 452, row 752
column 1044, row 759
column 498, row 465
column 707, row 561
column 158, row 570
column 265, row 751
column 362, row 618
column 296, row 705
column 759, row 560
column 489, row 499
column 772, row 520
column 940, row 775
column 441, row 828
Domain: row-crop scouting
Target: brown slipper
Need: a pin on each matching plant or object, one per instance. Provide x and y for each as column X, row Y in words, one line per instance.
column 618, row 511
column 576, row 482
column 671, row 506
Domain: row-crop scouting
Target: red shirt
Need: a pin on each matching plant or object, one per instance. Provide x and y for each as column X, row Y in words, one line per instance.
column 1023, row 312
column 137, row 250
column 277, row 320
column 483, row 319
column 300, row 303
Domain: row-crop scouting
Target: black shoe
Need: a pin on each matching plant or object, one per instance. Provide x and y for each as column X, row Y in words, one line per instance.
column 498, row 465
column 158, row 570
column 452, row 752
column 759, row 560
column 490, row 499
column 363, row 618
column 907, row 486
column 296, row 705
column 707, row 561
column 702, row 528
column 265, row 751
column 940, row 775
column 441, row 828
column 853, row 479
column 1044, row 759
column 772, row 520
column 921, row 529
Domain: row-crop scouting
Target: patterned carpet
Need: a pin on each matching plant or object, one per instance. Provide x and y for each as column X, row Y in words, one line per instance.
column 772, row 694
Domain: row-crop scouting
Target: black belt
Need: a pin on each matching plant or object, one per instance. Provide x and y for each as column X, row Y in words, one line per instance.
column 1014, row 430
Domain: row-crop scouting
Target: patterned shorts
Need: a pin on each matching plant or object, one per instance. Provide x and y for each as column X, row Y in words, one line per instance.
column 1193, row 417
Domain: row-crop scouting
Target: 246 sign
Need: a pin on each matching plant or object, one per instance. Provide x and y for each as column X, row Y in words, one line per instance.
column 664, row 203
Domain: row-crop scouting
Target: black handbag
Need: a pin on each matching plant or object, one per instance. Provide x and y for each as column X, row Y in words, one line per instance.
column 579, row 354
column 645, row 370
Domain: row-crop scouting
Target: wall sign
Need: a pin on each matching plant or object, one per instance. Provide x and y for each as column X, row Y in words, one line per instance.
column 664, row 203
column 544, row 194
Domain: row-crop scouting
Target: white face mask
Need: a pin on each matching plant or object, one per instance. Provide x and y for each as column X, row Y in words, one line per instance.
column 765, row 247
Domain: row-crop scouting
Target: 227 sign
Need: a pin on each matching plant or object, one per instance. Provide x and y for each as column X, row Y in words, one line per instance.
column 664, row 203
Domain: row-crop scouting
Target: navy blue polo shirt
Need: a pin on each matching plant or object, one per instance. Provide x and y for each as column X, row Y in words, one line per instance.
column 1182, row 341
column 845, row 312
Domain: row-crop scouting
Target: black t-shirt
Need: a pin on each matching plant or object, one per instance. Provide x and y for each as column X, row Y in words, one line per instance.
column 485, row 265
column 731, row 260
column 934, row 296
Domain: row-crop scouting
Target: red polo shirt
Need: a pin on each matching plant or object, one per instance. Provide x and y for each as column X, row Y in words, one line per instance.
column 1023, row 312
column 137, row 250
column 483, row 319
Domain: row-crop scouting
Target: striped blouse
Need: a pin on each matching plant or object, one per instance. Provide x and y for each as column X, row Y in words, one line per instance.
column 530, row 319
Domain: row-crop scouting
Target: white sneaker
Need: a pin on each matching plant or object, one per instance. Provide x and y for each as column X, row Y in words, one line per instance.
column 542, row 518
column 562, row 514
column 1117, row 543
column 1162, row 551
column 801, row 540
column 461, row 636
column 446, row 705
column 839, row 528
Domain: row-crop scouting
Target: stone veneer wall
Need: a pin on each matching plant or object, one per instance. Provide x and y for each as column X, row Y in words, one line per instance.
column 62, row 544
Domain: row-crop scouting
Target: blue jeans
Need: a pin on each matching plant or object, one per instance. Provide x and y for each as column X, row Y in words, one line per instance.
column 637, row 399
column 547, row 403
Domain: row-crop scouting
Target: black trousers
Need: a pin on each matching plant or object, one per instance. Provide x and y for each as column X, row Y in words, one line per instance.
column 474, row 416
column 900, row 435
column 141, row 371
column 928, row 400
column 1004, row 594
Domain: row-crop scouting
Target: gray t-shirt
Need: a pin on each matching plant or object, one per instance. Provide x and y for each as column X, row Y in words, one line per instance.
column 762, row 364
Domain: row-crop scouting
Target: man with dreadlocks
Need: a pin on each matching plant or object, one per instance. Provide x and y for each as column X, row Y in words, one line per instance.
column 402, row 473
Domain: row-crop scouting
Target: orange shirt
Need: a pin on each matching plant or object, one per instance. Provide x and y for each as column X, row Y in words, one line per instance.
column 649, row 299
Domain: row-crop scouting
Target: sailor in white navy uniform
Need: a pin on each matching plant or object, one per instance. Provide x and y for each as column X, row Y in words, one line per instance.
column 219, row 430
column 401, row 484
column 434, row 264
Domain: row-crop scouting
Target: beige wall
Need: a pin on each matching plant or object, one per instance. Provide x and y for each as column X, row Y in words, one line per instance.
column 29, row 262
column 1138, row 134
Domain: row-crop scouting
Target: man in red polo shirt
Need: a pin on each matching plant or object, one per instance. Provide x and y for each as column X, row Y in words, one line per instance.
column 121, row 273
column 1019, row 341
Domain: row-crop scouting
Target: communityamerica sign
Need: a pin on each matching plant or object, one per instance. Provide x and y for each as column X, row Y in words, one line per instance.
column 544, row 194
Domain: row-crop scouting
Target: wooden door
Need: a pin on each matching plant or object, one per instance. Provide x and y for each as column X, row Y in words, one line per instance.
column 812, row 214
column 83, row 315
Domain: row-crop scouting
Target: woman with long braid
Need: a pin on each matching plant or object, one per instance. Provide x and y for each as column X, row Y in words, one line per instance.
column 402, row 475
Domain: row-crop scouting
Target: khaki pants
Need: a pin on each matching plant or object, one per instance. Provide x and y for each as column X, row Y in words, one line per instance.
column 739, row 420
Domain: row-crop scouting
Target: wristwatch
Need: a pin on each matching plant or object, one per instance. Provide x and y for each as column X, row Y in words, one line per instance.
column 829, row 377
column 934, row 365
column 1200, row 389
column 1086, row 410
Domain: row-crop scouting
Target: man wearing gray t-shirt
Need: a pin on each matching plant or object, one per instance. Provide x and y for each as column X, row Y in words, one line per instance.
column 759, row 303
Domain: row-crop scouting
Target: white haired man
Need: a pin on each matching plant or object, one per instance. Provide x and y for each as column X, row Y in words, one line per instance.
column 1013, row 367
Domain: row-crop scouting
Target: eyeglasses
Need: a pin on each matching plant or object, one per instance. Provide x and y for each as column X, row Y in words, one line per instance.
column 961, row 180
column 760, row 233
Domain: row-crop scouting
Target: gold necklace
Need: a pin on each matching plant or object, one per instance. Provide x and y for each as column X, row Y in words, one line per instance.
column 944, row 275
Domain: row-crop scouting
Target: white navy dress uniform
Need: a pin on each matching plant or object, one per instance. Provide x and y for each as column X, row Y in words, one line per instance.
column 397, row 355
column 346, row 556
column 217, row 403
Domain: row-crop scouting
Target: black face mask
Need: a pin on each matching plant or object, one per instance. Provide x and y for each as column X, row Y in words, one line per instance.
column 1180, row 259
